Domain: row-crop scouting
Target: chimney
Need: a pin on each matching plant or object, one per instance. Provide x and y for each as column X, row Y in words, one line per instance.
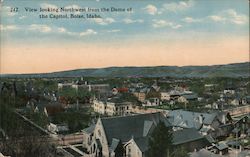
column 223, row 120
column 201, row 118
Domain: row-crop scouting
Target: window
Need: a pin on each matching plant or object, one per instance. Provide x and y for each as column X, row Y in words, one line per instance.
column 129, row 149
column 99, row 133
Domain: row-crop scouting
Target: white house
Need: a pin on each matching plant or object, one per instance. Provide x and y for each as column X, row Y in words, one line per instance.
column 152, row 102
column 111, row 108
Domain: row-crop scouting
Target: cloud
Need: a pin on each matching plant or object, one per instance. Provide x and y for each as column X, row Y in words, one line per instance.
column 178, row 6
column 40, row 28
column 22, row 17
column 47, row 5
column 9, row 27
column 129, row 21
column 164, row 23
column 191, row 20
column 72, row 6
column 225, row 16
column 61, row 30
column 88, row 32
column 47, row 29
column 217, row 18
column 113, row 30
column 151, row 9
column 105, row 21
column 229, row 16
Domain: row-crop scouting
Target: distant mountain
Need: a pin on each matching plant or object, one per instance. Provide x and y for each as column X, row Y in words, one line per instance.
column 228, row 70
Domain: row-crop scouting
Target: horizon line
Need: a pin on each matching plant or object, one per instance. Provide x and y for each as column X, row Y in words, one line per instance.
column 122, row 67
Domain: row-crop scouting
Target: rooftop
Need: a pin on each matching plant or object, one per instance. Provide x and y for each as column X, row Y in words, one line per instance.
column 136, row 126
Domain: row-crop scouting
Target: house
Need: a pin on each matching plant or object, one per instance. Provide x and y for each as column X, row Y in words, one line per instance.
column 114, row 91
column 141, row 96
column 174, row 94
column 206, row 123
column 122, row 136
column 58, row 128
column 234, row 144
column 220, row 148
column 88, row 134
column 112, row 107
column 141, row 93
column 155, row 87
column 136, row 147
column 152, row 102
column 246, row 100
column 229, row 91
column 101, row 88
column 219, row 105
column 118, row 108
column 47, row 108
column 187, row 97
column 241, row 125
column 99, row 106
column 64, row 85
column 127, row 136
column 190, row 139
column 165, row 95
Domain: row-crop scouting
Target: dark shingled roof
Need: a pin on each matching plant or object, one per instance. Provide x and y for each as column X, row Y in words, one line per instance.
column 114, row 144
column 142, row 143
column 124, row 128
column 190, row 96
column 221, row 146
column 188, row 119
column 186, row 135
column 89, row 129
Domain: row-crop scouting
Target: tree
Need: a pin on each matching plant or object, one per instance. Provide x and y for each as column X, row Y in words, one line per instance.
column 160, row 141
column 180, row 152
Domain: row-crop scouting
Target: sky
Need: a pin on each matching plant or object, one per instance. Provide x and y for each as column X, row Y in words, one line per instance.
column 147, row 33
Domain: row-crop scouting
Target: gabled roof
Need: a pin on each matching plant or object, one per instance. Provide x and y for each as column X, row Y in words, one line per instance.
column 221, row 146
column 142, row 143
column 89, row 129
column 114, row 144
column 123, row 128
column 186, row 135
column 190, row 96
column 210, row 139
column 189, row 119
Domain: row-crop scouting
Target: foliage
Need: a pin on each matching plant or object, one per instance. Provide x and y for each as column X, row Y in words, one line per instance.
column 160, row 142
column 153, row 94
column 71, row 95
column 28, row 146
column 76, row 120
column 40, row 119
column 180, row 152
column 23, row 140
column 129, row 97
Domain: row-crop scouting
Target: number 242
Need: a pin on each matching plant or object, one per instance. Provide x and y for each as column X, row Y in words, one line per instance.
column 14, row 9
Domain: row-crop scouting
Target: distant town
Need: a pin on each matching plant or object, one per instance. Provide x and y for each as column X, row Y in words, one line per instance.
column 125, row 116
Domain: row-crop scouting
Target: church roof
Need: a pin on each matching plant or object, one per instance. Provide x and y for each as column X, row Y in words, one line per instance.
column 136, row 126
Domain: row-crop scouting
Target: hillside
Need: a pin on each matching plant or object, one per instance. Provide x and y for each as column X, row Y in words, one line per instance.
column 228, row 70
